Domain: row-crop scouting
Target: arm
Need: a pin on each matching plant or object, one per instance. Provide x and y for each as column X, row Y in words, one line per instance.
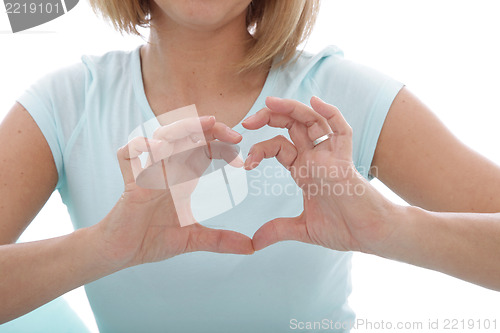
column 439, row 173
column 419, row 159
column 464, row 245
column 34, row 273
column 142, row 227
column 24, row 189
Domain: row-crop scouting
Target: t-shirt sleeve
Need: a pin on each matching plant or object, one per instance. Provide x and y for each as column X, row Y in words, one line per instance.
column 374, row 121
column 364, row 96
column 54, row 102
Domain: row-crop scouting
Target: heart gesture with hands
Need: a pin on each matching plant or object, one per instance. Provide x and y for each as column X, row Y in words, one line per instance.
column 319, row 158
column 144, row 226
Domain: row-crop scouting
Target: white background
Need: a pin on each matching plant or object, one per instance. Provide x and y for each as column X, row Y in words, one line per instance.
column 447, row 52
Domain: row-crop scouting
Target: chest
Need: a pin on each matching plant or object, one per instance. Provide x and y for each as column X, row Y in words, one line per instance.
column 229, row 108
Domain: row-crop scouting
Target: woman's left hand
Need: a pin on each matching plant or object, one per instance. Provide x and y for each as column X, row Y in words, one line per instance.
column 342, row 211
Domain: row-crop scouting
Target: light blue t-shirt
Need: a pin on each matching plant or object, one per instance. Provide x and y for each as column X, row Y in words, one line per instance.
column 87, row 111
column 54, row 317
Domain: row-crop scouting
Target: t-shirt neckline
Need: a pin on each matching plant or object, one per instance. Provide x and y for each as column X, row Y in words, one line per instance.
column 140, row 94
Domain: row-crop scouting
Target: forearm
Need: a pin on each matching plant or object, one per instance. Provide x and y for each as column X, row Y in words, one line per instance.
column 34, row 273
column 463, row 245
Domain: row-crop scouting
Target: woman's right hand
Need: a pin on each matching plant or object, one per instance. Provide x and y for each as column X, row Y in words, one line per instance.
column 342, row 211
column 144, row 224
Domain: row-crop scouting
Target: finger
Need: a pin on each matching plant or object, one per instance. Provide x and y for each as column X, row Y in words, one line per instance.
column 317, row 125
column 332, row 115
column 128, row 156
column 227, row 152
column 297, row 130
column 265, row 117
column 220, row 241
column 279, row 147
column 281, row 229
column 185, row 127
column 223, row 133
column 161, row 151
column 342, row 132
column 218, row 131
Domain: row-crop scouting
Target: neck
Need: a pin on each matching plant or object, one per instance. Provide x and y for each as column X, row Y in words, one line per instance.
column 199, row 63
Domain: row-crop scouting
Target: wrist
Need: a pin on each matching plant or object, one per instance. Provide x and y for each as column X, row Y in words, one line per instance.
column 107, row 255
column 400, row 232
column 375, row 220
column 88, row 245
column 384, row 219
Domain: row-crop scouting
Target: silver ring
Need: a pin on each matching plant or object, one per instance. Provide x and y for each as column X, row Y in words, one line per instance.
column 322, row 138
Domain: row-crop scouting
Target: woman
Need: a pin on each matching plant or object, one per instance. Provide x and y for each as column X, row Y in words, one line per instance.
column 71, row 123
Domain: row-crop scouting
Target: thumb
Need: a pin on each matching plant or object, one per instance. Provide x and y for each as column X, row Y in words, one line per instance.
column 281, row 229
column 216, row 240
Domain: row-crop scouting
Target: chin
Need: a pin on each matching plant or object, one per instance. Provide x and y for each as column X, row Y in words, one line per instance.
column 201, row 14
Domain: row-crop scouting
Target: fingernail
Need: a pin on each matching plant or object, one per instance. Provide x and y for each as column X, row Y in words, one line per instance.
column 207, row 118
column 252, row 117
column 274, row 98
column 248, row 161
column 250, row 151
column 232, row 132
column 154, row 141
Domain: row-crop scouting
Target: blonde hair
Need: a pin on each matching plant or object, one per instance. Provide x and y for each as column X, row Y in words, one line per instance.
column 278, row 26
